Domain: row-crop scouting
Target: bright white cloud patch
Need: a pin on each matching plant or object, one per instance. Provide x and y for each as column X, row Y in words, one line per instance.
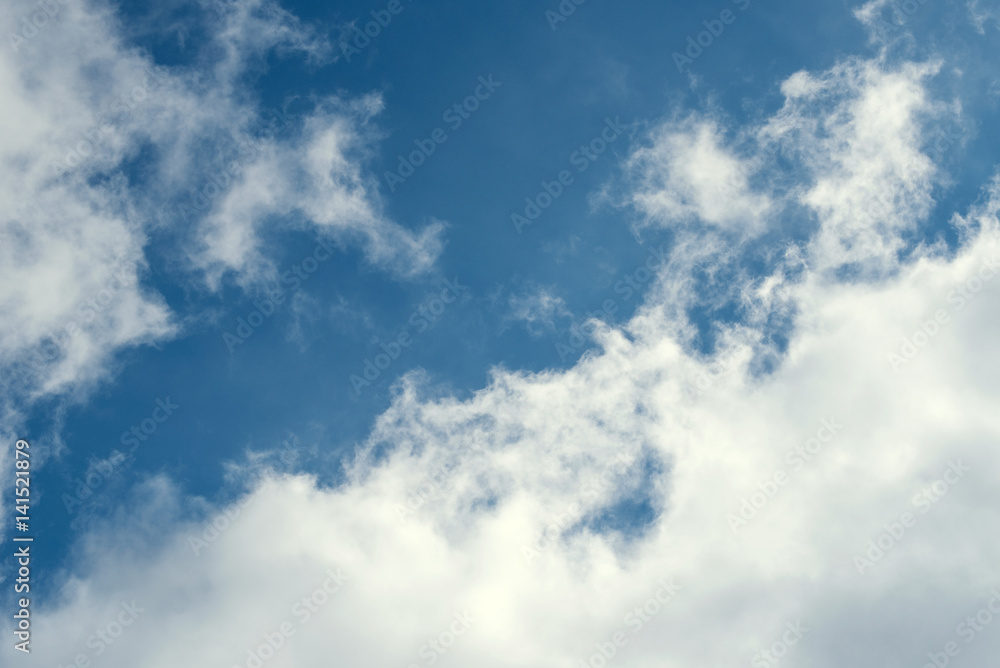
column 71, row 253
column 871, row 181
column 688, row 174
column 850, row 494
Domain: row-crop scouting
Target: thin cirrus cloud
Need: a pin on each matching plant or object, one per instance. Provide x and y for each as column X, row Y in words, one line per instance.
column 755, row 498
column 537, row 307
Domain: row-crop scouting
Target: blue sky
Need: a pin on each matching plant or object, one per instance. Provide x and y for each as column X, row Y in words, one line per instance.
column 814, row 179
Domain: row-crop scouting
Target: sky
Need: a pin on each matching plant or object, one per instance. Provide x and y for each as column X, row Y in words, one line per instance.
column 529, row 334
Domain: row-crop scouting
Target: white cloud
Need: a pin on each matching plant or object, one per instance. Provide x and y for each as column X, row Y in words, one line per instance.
column 247, row 30
column 521, row 453
column 71, row 252
column 82, row 107
column 487, row 476
column 688, row 174
column 869, row 181
column 537, row 308
column 318, row 176
column 870, row 12
column 981, row 15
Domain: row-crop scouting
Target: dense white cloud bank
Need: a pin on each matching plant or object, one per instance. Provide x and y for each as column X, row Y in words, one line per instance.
column 837, row 511
column 776, row 501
